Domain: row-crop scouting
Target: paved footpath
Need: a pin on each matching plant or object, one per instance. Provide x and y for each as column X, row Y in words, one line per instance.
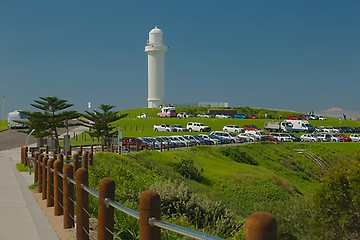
column 20, row 215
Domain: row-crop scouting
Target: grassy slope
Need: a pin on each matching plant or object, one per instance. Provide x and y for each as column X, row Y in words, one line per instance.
column 281, row 172
column 136, row 127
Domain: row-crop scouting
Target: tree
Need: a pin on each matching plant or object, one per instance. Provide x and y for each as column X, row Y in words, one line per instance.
column 52, row 117
column 338, row 201
column 99, row 122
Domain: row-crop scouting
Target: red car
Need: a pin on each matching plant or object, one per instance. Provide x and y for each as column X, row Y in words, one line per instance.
column 133, row 144
column 344, row 138
column 291, row 117
column 250, row 127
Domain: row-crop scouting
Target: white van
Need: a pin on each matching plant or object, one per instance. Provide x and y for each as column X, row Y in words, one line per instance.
column 300, row 125
column 14, row 117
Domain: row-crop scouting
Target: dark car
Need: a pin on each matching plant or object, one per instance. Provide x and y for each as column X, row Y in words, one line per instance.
column 294, row 138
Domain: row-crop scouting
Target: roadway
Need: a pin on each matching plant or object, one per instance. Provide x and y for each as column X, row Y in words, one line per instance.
column 11, row 138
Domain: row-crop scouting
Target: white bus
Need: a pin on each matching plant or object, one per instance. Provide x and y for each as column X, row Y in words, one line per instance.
column 14, row 117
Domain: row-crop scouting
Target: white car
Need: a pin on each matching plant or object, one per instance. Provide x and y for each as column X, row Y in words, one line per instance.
column 281, row 137
column 232, row 138
column 248, row 137
column 309, row 138
column 143, row 115
column 355, row 137
column 197, row 127
column 221, row 116
column 233, row 128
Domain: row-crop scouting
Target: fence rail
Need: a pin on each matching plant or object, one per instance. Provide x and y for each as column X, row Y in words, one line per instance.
column 56, row 183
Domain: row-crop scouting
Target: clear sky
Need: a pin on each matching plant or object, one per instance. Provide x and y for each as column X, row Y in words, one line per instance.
column 293, row 55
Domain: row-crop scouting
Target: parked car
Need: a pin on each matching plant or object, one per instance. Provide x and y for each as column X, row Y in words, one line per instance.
column 192, row 140
column 240, row 116
column 163, row 128
column 355, row 137
column 226, row 135
column 293, row 137
column 133, row 144
column 250, row 127
column 222, row 116
column 143, row 115
column 197, row 127
column 324, row 137
column 248, row 137
column 309, row 138
column 203, row 115
column 167, row 112
column 233, row 128
column 344, row 137
column 252, row 116
column 214, row 141
column 179, row 128
column 281, row 137
column 202, row 140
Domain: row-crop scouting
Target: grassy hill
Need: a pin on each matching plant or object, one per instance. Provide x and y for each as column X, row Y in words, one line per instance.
column 234, row 180
column 136, row 127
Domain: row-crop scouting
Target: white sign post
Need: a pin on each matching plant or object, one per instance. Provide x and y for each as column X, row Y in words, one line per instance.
column 119, row 140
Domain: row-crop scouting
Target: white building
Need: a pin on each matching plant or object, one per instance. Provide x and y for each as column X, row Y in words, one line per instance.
column 156, row 50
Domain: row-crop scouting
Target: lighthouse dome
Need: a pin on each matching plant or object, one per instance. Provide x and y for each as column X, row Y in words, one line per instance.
column 156, row 36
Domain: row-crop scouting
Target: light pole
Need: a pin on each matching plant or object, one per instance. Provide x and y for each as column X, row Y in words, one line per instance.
column 3, row 110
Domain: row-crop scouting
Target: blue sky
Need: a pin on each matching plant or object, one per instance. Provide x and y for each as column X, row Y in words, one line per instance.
column 294, row 55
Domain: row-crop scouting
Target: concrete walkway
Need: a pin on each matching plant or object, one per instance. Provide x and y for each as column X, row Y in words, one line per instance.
column 20, row 215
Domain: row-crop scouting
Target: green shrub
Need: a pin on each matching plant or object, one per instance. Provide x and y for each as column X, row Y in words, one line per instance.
column 177, row 200
column 187, row 169
column 238, row 156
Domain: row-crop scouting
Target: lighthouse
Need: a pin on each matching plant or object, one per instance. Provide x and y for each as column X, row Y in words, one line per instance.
column 156, row 50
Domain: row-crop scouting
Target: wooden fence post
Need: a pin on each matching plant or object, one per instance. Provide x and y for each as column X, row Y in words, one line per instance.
column 106, row 213
column 82, row 205
column 76, row 162
column 39, row 170
column 260, row 226
column 68, row 197
column 50, row 182
column 149, row 207
column 36, row 156
column 44, row 176
column 84, row 160
column 58, row 186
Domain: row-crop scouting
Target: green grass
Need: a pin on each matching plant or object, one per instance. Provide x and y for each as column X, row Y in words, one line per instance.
column 3, row 124
column 279, row 173
column 22, row 168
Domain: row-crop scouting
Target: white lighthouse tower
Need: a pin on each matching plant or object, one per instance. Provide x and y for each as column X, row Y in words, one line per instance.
column 156, row 68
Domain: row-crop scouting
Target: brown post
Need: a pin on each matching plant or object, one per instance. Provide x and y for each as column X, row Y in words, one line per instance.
column 161, row 147
column 90, row 158
column 84, row 160
column 50, row 182
column 68, row 197
column 36, row 155
column 82, row 205
column 76, row 162
column 149, row 207
column 44, row 176
column 59, row 149
column 47, row 149
column 106, row 213
column 58, row 187
column 260, row 226
column 39, row 170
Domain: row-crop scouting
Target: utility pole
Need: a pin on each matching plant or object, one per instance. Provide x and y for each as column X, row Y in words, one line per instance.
column 3, row 110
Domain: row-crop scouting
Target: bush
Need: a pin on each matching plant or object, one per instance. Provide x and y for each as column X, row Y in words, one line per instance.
column 177, row 200
column 238, row 156
column 187, row 169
